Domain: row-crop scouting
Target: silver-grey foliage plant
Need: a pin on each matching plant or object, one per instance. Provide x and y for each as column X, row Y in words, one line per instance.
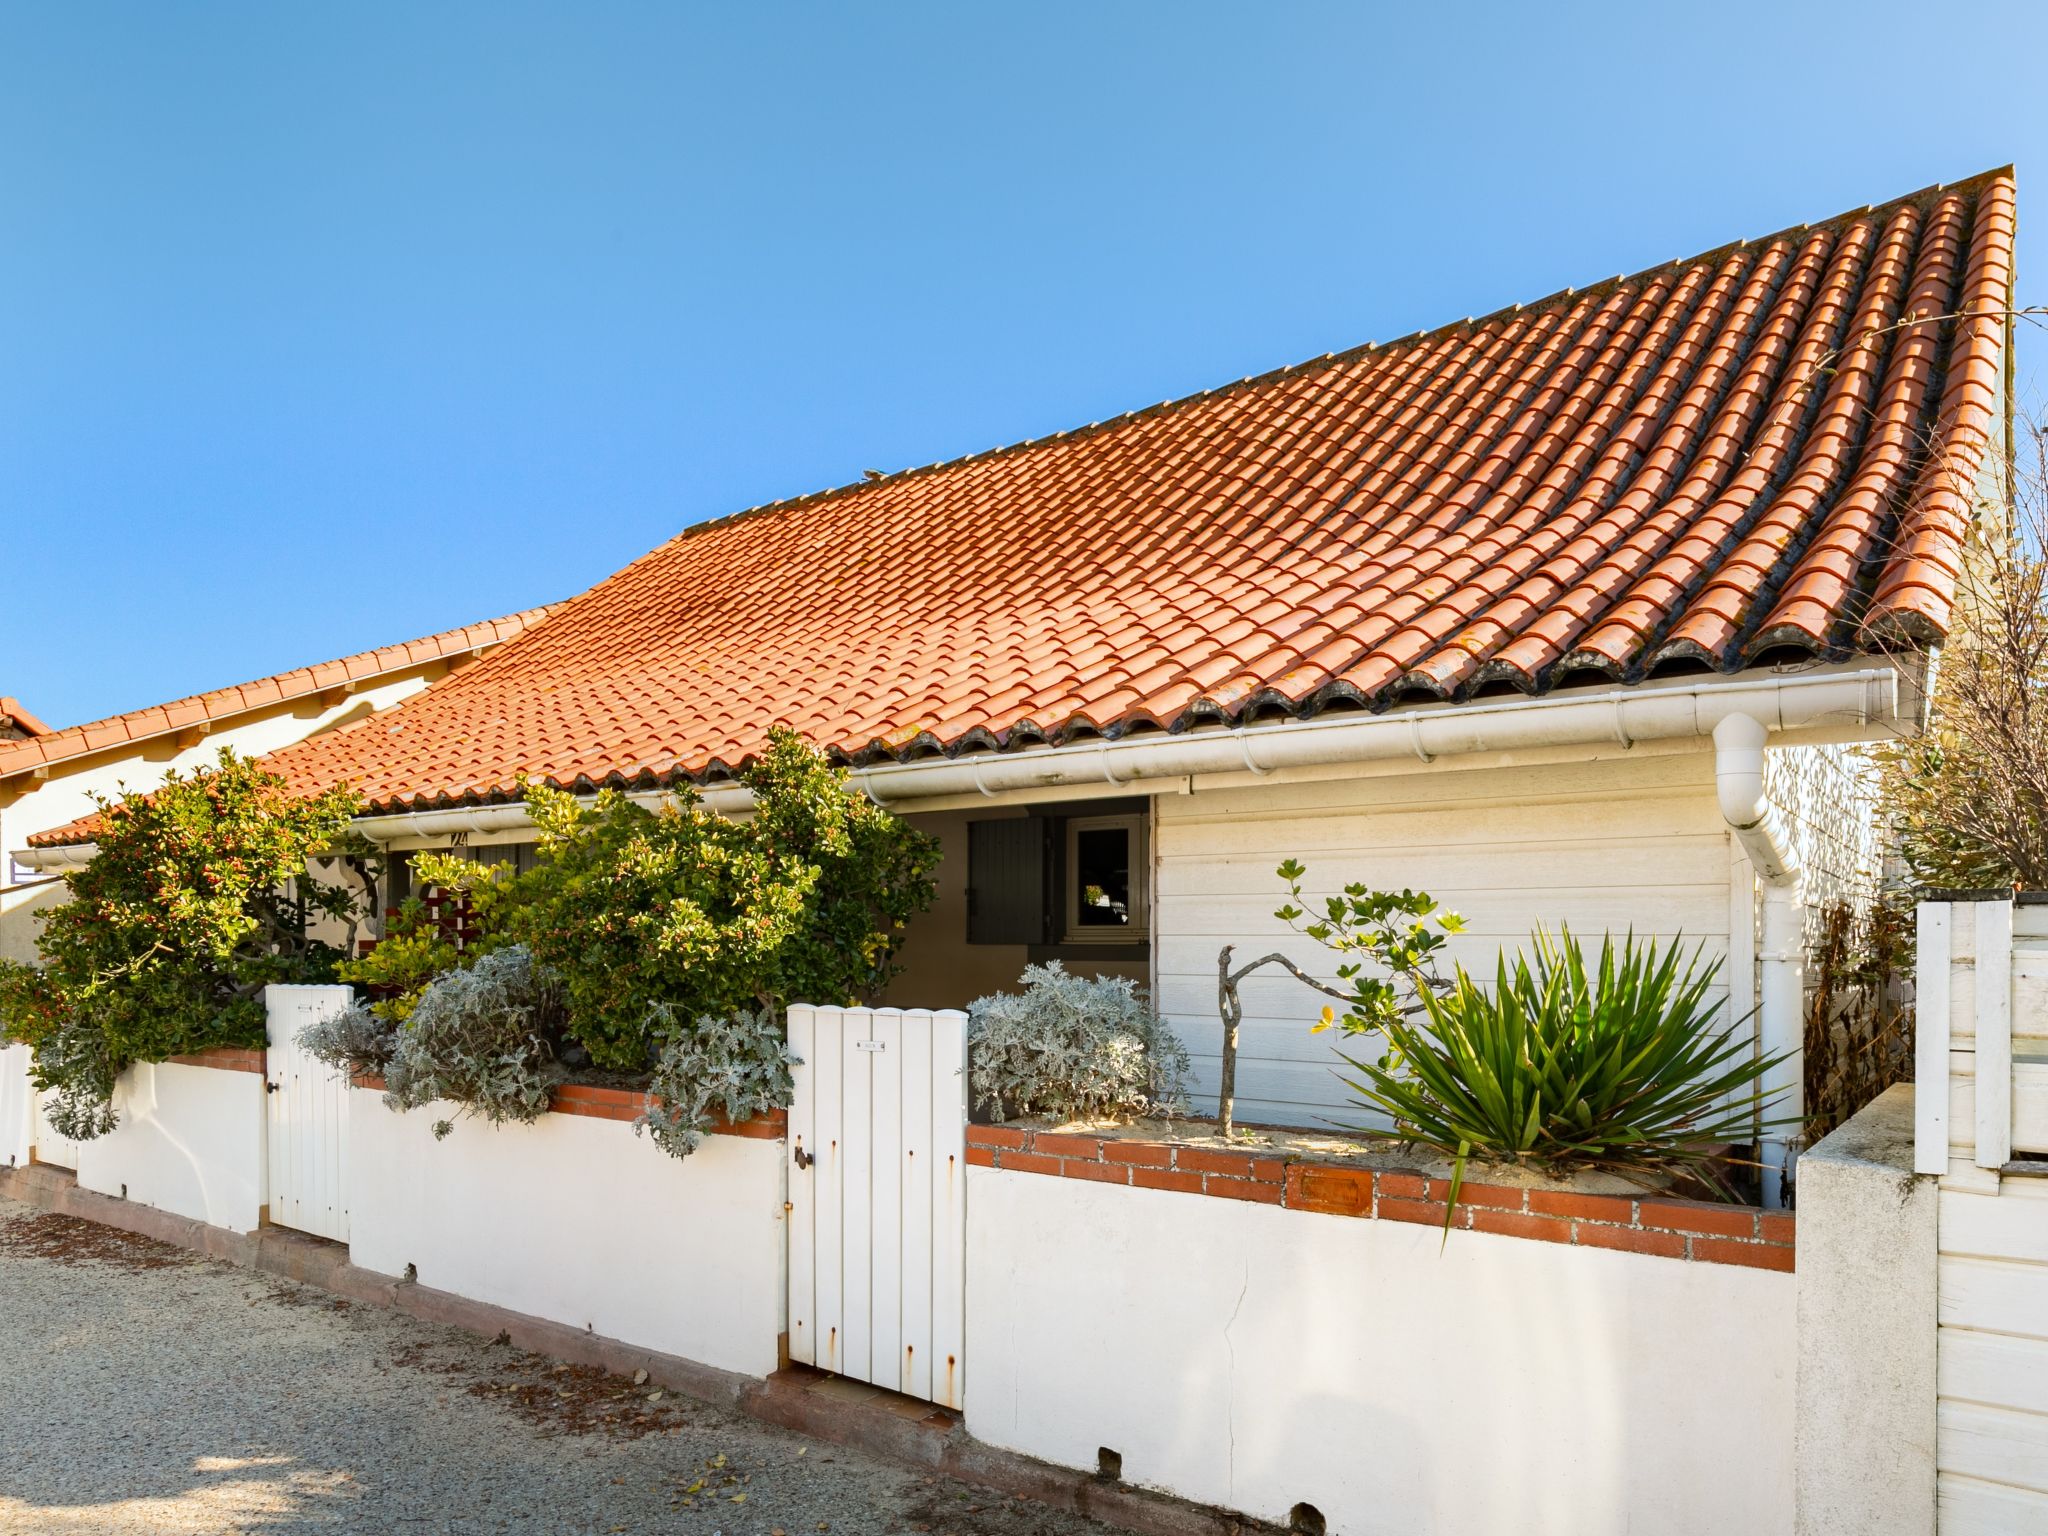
column 355, row 1041
column 479, row 1037
column 1078, row 1048
column 738, row 1066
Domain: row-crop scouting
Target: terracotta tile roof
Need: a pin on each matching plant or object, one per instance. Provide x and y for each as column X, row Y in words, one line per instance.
column 1718, row 461
column 46, row 746
column 14, row 716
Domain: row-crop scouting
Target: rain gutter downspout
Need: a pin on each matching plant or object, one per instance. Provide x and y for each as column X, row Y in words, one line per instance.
column 1766, row 837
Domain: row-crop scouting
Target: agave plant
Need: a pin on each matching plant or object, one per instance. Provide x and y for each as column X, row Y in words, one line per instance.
column 1620, row 1066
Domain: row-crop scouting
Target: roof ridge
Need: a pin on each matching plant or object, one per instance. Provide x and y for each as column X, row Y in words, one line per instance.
column 1971, row 184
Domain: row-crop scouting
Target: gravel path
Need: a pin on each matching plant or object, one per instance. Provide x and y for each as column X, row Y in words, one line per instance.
column 145, row 1389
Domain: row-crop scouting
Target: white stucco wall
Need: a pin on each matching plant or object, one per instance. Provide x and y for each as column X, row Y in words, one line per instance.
column 190, row 1141
column 1256, row 1358
column 579, row 1221
column 1866, row 1436
column 68, row 793
column 17, row 1106
column 1829, row 797
column 1630, row 840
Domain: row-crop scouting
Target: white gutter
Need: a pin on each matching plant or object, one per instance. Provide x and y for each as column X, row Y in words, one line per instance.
column 1766, row 837
column 1427, row 732
column 47, row 860
column 1152, row 764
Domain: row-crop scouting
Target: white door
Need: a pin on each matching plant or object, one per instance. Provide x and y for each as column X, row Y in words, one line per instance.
column 308, row 1122
column 878, row 1197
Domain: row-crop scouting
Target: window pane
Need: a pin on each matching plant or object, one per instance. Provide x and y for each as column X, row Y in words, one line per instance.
column 1102, row 869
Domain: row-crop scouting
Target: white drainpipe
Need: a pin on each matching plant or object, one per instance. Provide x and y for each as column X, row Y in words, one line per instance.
column 1761, row 829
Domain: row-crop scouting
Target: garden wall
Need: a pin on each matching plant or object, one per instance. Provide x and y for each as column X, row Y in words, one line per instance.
column 17, row 1106
column 190, row 1140
column 577, row 1220
column 1237, row 1351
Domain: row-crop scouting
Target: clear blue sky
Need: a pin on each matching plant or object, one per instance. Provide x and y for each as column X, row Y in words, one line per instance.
column 323, row 327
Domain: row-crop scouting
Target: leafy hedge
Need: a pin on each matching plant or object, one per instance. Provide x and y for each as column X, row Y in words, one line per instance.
column 647, row 916
column 199, row 895
column 663, row 942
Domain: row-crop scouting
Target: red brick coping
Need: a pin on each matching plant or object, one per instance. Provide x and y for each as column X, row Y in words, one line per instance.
column 1668, row 1228
column 629, row 1104
column 229, row 1058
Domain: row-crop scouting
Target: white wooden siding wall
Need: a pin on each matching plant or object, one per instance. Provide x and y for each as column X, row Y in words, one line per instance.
column 1633, row 842
column 1983, row 1020
column 877, row 1221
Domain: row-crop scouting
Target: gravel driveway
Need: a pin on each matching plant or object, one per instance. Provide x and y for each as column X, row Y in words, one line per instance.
column 145, row 1389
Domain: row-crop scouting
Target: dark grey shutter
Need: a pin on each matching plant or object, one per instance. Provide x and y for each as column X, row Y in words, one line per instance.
column 1007, row 880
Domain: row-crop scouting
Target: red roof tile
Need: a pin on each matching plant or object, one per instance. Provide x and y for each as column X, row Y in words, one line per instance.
column 46, row 746
column 1765, row 448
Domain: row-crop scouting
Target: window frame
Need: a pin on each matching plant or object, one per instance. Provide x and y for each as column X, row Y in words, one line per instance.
column 1139, row 929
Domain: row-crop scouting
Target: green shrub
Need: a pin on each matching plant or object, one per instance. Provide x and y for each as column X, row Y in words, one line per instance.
column 1619, row 1067
column 739, row 1066
column 199, row 895
column 680, row 913
column 415, row 949
column 1074, row 1048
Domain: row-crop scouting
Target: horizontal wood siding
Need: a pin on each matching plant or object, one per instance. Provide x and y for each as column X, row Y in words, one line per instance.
column 1992, row 1360
column 1633, row 842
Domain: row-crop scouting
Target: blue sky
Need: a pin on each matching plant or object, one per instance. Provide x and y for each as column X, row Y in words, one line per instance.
column 324, row 327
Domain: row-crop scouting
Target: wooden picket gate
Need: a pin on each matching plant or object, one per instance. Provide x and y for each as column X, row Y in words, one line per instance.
column 878, row 1197
column 307, row 1128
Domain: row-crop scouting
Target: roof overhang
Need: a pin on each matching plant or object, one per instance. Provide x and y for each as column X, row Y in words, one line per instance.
column 1852, row 703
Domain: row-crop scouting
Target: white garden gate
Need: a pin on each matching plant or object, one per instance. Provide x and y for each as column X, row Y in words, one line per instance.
column 878, row 1197
column 308, row 1120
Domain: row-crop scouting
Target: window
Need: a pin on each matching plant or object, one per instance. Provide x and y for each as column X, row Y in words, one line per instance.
column 1105, row 879
column 1058, row 884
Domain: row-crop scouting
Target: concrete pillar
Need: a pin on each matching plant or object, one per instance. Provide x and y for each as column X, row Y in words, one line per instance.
column 1864, row 1431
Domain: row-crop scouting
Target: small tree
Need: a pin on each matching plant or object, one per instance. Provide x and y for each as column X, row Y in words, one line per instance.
column 199, row 895
column 1397, row 932
column 1970, row 798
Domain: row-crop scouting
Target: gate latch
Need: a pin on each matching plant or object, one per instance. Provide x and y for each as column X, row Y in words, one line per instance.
column 270, row 1087
column 803, row 1158
column 871, row 1045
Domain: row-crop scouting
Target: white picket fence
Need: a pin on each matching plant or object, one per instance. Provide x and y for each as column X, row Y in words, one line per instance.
column 1981, row 1119
column 878, row 1197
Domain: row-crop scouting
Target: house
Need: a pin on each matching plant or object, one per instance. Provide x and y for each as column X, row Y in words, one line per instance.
column 48, row 778
column 1570, row 615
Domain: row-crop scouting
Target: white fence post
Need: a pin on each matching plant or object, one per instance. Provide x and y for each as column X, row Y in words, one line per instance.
column 1930, row 1047
column 1994, row 1034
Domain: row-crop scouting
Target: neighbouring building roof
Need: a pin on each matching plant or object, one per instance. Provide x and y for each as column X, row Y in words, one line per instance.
column 16, row 722
column 1763, row 451
column 44, row 746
